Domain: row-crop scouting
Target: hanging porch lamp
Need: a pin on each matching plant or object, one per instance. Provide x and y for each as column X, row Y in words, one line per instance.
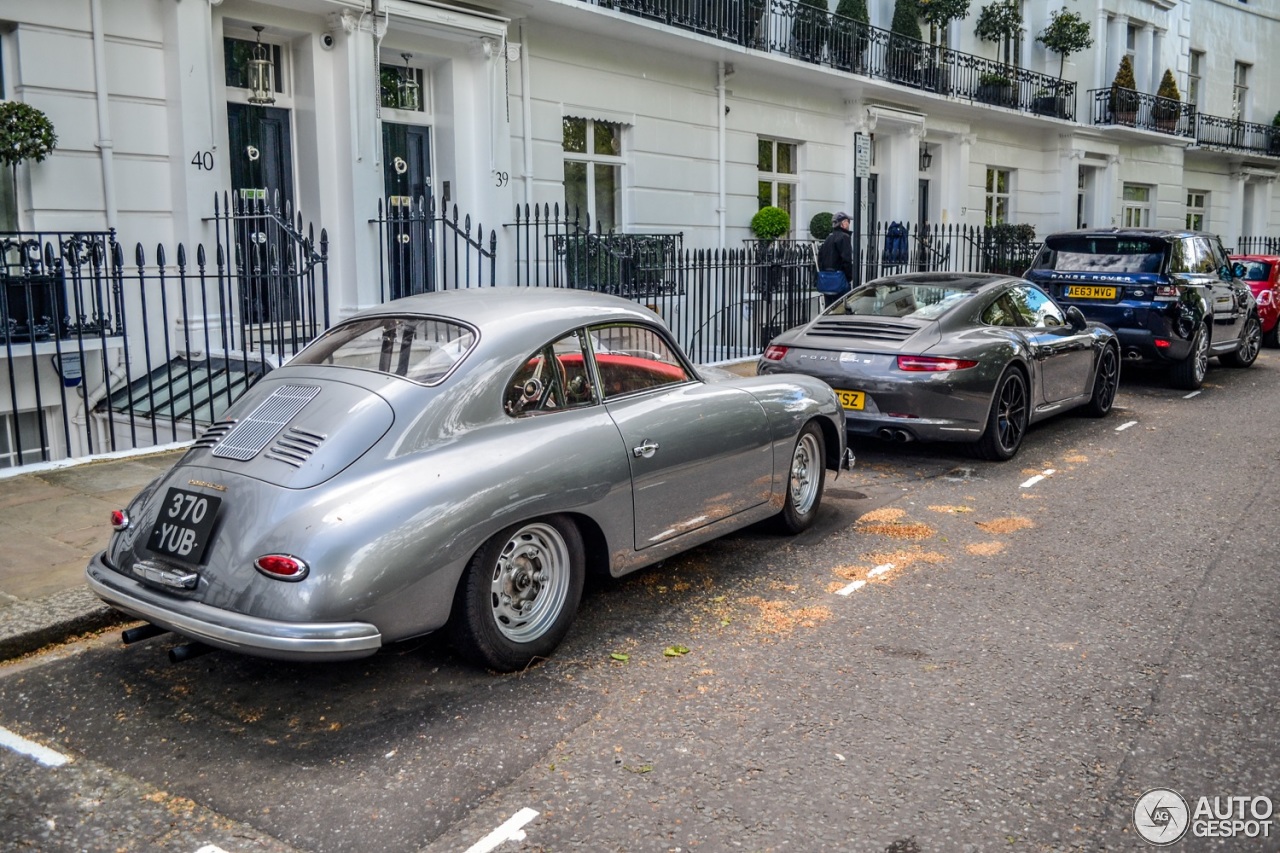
column 408, row 92
column 262, row 73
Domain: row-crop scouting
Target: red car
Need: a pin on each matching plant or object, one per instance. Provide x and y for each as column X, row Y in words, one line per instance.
column 1262, row 272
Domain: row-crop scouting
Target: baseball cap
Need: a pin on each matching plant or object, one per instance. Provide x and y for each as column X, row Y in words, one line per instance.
column 839, row 217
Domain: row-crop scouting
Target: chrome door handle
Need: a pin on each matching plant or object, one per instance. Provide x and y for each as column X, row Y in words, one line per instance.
column 646, row 450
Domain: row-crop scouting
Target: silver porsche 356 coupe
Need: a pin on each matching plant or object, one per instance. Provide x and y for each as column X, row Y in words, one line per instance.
column 460, row 459
column 972, row 357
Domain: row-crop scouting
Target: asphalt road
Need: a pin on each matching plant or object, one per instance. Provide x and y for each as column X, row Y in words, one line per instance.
column 1037, row 655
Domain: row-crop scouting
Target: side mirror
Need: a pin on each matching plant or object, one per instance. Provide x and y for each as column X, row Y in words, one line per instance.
column 1238, row 270
column 1076, row 319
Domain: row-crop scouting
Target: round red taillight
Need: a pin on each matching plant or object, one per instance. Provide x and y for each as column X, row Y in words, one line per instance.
column 119, row 519
column 281, row 567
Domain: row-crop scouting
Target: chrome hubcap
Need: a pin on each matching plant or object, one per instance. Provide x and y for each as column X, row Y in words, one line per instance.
column 530, row 582
column 806, row 474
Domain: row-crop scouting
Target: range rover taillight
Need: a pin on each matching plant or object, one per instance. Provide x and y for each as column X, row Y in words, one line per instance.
column 1166, row 291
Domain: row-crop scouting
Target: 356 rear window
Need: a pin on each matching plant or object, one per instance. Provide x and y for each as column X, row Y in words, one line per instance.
column 423, row 349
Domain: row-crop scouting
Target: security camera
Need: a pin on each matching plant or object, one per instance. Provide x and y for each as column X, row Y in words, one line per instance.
column 326, row 41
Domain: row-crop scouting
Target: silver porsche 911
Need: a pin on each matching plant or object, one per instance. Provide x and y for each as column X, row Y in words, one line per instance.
column 461, row 459
column 966, row 357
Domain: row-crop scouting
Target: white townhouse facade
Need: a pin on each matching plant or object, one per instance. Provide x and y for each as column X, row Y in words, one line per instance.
column 655, row 116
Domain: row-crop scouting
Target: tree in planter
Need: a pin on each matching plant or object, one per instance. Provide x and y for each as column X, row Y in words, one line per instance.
column 939, row 14
column 1275, row 134
column 905, row 41
column 1168, row 104
column 1066, row 34
column 809, row 30
column 1124, row 93
column 25, row 134
column 850, row 34
column 770, row 223
column 1000, row 22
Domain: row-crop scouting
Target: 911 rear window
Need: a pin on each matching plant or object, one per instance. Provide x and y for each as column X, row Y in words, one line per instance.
column 1083, row 253
column 423, row 349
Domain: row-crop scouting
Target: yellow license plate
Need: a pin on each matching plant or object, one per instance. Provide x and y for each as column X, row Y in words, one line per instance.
column 1083, row 291
column 852, row 399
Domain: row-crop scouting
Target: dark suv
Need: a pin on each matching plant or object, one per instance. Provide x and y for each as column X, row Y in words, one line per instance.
column 1172, row 296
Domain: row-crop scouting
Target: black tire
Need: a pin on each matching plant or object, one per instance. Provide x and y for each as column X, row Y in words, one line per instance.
column 1189, row 373
column 806, row 478
column 1008, row 419
column 1250, row 345
column 1105, row 382
column 1271, row 339
column 519, row 594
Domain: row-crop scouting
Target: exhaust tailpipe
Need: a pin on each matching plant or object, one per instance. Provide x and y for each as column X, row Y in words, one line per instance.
column 140, row 633
column 902, row 435
column 1133, row 355
column 885, row 433
column 178, row 654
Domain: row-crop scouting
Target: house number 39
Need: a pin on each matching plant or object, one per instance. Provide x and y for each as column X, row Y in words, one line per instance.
column 203, row 160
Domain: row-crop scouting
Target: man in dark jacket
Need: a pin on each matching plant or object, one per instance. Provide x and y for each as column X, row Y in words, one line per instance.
column 837, row 253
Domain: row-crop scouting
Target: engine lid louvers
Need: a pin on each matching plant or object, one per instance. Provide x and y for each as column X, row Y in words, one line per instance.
column 867, row 331
column 295, row 446
column 214, row 434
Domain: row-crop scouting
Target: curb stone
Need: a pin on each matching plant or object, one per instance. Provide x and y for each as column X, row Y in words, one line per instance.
column 26, row 626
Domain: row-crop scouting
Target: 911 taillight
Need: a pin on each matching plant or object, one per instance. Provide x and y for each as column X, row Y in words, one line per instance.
column 774, row 353
column 932, row 364
column 282, row 567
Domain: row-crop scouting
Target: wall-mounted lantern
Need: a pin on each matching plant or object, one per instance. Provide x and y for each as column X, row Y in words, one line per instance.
column 262, row 73
column 408, row 92
column 926, row 158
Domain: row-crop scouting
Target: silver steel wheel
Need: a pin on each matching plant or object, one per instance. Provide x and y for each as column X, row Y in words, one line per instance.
column 530, row 582
column 806, row 473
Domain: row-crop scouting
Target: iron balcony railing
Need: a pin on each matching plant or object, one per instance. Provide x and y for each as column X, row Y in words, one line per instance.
column 1235, row 135
column 802, row 32
column 1130, row 108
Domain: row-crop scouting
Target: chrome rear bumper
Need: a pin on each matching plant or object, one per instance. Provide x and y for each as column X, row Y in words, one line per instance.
column 299, row 641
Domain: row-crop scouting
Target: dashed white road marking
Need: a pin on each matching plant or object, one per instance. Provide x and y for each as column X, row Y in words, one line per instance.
column 509, row 831
column 211, row 848
column 851, row 588
column 1189, row 396
column 1126, row 425
column 1048, row 472
column 879, row 570
column 42, row 754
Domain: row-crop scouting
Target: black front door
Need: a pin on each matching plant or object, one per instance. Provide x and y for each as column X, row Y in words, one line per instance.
column 406, row 177
column 262, row 185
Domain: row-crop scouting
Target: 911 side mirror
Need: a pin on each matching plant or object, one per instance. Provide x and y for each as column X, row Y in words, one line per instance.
column 1076, row 319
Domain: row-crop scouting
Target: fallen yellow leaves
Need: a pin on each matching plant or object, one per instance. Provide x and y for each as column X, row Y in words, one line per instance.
column 951, row 509
column 780, row 618
column 985, row 549
column 898, row 530
column 1006, row 525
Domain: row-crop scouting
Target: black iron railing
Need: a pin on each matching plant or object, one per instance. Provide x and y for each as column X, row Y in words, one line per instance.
column 1130, row 108
column 1234, row 135
column 111, row 350
column 808, row 34
column 424, row 247
column 1257, row 245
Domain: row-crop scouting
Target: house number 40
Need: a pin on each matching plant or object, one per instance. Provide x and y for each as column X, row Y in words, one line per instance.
column 203, row 160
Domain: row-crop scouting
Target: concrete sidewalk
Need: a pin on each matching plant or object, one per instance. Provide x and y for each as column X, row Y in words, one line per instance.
column 52, row 521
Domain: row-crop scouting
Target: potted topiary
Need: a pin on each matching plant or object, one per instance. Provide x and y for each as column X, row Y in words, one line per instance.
column 1275, row 134
column 1168, row 105
column 25, row 134
column 810, row 25
column 850, row 34
column 820, row 225
column 905, row 43
column 1066, row 34
column 994, row 88
column 1124, row 94
column 770, row 223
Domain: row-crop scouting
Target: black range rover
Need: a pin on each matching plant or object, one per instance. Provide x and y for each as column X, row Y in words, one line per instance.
column 1171, row 296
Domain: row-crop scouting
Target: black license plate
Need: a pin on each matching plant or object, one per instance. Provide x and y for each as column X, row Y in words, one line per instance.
column 184, row 525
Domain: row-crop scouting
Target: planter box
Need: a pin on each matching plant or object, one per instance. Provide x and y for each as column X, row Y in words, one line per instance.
column 1049, row 105
column 999, row 94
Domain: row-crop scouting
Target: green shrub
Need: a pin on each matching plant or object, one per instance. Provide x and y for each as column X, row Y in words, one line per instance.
column 25, row 134
column 770, row 223
column 821, row 225
column 1124, row 97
